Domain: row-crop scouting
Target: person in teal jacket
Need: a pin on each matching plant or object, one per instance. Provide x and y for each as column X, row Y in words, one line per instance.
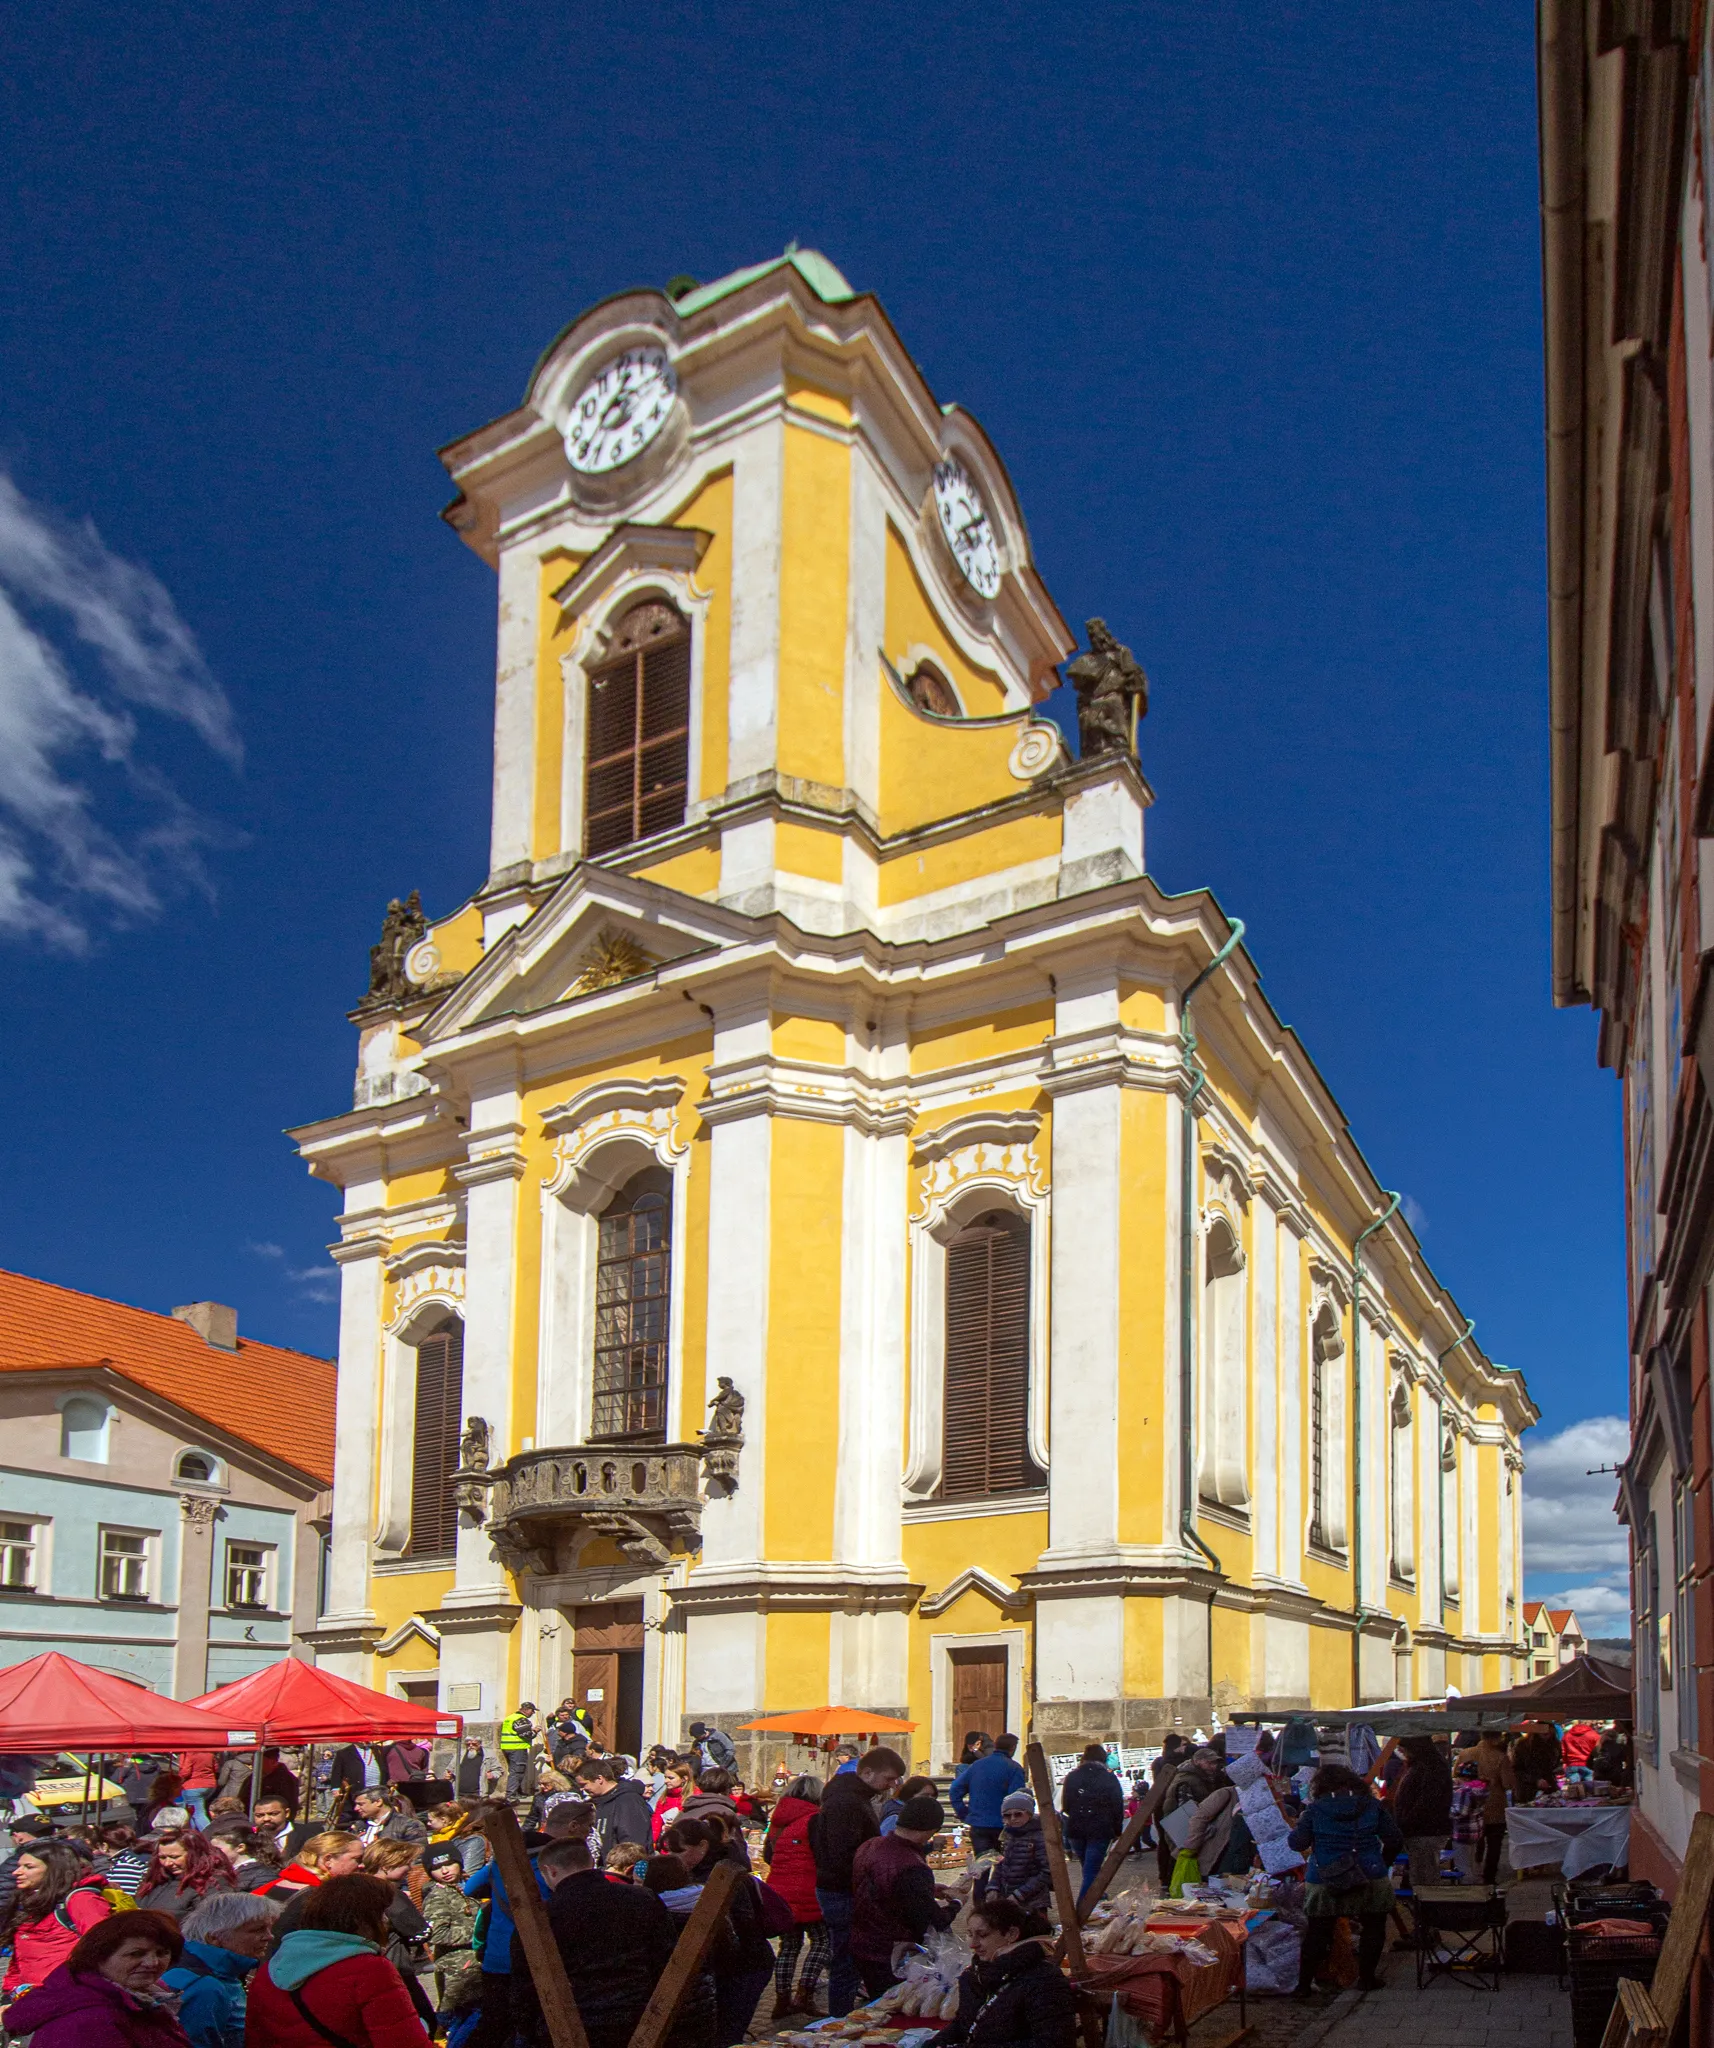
column 980, row 1788
column 225, row 1936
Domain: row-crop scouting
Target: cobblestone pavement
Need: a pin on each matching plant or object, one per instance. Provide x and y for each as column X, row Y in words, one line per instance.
column 1526, row 2012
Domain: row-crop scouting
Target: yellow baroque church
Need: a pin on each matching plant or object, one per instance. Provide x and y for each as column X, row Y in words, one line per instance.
column 800, row 1244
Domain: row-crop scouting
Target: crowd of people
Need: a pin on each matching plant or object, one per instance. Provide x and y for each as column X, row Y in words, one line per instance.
column 204, row 1922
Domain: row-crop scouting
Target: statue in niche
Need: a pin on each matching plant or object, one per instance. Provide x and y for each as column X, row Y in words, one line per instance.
column 401, row 928
column 723, row 1439
column 472, row 1478
column 1112, row 694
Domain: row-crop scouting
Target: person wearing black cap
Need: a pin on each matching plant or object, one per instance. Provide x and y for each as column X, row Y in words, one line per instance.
column 894, row 1896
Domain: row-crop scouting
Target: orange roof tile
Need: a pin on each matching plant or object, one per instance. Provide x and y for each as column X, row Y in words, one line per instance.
column 1531, row 1609
column 1559, row 1616
column 281, row 1401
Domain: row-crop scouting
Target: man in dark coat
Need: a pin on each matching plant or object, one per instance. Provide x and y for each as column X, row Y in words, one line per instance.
column 894, row 1897
column 1422, row 1806
column 614, row 1939
column 848, row 1817
column 1092, row 1806
column 622, row 1811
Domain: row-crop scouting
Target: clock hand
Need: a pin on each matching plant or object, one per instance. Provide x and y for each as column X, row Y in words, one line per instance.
column 619, row 409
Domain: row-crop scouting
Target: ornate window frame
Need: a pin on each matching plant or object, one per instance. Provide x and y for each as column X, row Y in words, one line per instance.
column 428, row 1287
column 640, row 563
column 1223, row 1337
column 1328, row 1297
column 605, row 1134
column 975, row 1163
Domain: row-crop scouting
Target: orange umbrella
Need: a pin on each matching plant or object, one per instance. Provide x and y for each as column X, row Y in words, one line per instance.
column 814, row 1721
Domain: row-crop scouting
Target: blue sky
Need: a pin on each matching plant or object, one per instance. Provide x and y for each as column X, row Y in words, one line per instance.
column 1248, row 298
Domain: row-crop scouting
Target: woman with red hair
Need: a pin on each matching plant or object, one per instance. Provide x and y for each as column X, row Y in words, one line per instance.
column 186, row 1867
column 108, row 1991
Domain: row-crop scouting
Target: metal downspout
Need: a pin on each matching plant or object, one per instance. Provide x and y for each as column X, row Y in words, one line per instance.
column 1363, row 1236
column 1186, row 1282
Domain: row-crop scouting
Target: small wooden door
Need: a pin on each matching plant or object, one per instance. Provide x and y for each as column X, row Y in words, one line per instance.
column 607, row 1647
column 978, row 1693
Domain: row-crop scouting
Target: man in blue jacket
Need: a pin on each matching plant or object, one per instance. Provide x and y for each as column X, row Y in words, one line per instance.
column 980, row 1787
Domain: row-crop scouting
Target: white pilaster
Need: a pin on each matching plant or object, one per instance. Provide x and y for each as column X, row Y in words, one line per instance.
column 1264, row 1428
column 758, row 488
column 510, row 841
column 1292, row 1399
column 357, row 1401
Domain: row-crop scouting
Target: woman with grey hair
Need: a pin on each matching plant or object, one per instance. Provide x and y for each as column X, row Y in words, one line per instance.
column 225, row 1936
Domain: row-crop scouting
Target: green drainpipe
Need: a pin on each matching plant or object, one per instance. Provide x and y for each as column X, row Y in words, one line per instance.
column 1186, row 1282
column 1363, row 1236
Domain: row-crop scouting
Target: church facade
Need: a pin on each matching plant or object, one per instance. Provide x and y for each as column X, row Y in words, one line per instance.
column 800, row 1244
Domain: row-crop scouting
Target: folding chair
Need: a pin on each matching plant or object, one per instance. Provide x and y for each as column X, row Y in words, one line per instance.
column 1460, row 1934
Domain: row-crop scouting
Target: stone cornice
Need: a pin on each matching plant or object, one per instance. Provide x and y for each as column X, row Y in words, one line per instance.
column 803, row 1589
column 1110, row 1058
column 495, row 1153
column 980, row 1127
column 475, row 1617
column 362, row 1243
column 660, row 1091
column 768, row 1086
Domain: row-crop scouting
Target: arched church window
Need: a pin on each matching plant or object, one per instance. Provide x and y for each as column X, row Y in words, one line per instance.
column 633, row 1280
column 1221, row 1471
column 986, row 1447
column 637, row 745
column 930, row 691
column 1326, row 1349
column 439, row 1420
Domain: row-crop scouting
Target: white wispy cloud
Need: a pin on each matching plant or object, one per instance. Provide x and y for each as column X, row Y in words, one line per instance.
column 1569, row 1523
column 86, row 639
column 1603, row 1607
column 1415, row 1214
column 264, row 1250
column 316, row 1283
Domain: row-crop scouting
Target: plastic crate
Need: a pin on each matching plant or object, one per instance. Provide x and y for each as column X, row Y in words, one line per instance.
column 1595, row 1964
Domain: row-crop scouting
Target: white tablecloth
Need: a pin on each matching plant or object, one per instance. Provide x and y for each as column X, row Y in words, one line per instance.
column 1577, row 1838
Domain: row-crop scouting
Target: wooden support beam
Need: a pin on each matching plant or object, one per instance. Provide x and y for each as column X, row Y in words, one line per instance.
column 1672, row 1973
column 687, row 1958
column 1071, row 1931
column 529, row 1916
column 1109, row 1870
column 1635, row 2021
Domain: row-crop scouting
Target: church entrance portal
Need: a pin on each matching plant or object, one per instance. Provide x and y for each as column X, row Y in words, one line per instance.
column 607, row 1671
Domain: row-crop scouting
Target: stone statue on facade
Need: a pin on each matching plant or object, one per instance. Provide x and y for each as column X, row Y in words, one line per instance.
column 723, row 1439
column 471, row 1477
column 401, row 928
column 1112, row 694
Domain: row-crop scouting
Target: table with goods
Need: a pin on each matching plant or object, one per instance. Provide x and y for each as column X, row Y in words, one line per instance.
column 1575, row 1830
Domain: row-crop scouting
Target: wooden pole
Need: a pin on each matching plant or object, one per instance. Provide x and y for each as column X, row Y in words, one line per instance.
column 1672, row 1973
column 694, row 1943
column 1110, row 1869
column 541, row 1951
column 1071, row 1931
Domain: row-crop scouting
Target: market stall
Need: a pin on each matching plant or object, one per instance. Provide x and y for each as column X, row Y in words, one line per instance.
column 293, row 1705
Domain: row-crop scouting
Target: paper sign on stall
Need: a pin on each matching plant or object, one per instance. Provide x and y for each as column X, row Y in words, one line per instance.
column 1240, row 1742
column 1245, row 1771
column 1279, row 1858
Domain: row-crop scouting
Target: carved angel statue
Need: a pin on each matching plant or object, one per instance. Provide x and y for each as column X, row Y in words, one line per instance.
column 725, row 1414
column 473, row 1446
column 1112, row 693
column 401, row 928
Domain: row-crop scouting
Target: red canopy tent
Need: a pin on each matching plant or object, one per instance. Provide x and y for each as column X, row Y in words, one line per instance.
column 293, row 1703
column 52, row 1702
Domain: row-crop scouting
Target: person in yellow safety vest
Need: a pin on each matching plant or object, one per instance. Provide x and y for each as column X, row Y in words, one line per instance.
column 517, row 1737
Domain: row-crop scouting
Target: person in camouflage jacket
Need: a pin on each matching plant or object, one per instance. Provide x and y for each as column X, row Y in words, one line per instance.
column 452, row 1923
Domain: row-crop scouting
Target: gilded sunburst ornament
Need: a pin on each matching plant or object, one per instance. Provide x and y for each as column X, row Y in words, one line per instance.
column 611, row 957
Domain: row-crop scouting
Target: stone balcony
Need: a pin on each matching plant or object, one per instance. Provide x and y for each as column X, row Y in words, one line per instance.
column 647, row 1498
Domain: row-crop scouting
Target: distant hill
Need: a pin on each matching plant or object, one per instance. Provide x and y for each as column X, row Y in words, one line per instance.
column 1614, row 1649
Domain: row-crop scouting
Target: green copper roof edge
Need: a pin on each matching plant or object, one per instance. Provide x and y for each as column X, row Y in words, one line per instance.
column 823, row 277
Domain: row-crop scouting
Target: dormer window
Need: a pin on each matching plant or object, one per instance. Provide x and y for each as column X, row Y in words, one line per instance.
column 636, row 781
column 197, row 1467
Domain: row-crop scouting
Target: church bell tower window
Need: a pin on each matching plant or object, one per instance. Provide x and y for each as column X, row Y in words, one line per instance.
column 638, row 751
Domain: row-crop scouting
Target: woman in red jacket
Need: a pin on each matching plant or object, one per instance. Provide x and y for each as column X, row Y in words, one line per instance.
column 328, row 1979
column 59, row 1900
column 791, row 1872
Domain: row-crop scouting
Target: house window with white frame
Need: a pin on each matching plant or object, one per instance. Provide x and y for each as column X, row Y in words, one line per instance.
column 249, row 1572
column 18, row 1557
column 1684, row 1568
column 124, row 1565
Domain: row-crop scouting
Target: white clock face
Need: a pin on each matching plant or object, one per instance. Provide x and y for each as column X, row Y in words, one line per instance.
column 620, row 410
column 969, row 531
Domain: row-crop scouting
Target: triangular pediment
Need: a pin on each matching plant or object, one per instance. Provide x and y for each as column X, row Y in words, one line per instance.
column 597, row 932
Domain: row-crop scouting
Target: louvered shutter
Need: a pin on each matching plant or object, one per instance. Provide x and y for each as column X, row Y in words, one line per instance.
column 439, row 1424
column 637, row 733
column 986, row 1441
